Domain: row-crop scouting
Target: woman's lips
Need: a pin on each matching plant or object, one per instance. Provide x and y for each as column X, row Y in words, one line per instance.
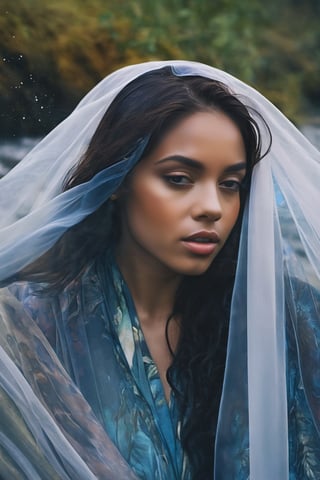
column 199, row 248
column 201, row 243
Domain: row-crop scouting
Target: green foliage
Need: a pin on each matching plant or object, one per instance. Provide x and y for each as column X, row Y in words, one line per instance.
column 53, row 51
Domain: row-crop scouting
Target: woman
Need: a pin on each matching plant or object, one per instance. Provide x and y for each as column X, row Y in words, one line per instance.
column 130, row 275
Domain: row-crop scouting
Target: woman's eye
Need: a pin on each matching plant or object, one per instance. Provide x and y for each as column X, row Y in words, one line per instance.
column 178, row 179
column 233, row 185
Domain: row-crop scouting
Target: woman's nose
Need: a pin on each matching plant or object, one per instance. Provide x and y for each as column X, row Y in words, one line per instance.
column 207, row 204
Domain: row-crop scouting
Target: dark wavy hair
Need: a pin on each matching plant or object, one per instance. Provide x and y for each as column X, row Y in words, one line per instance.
column 150, row 106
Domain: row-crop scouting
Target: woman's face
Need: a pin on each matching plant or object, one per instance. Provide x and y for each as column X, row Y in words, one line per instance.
column 183, row 199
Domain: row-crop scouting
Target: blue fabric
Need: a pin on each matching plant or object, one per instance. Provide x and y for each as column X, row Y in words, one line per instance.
column 304, row 436
column 62, row 212
column 94, row 329
column 303, row 415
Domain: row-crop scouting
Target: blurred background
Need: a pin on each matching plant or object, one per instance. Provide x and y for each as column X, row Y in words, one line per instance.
column 54, row 51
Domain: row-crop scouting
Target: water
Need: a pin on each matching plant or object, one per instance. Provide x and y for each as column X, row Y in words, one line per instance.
column 12, row 151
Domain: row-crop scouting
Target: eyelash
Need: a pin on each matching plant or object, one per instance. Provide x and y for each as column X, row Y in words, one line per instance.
column 173, row 179
column 236, row 185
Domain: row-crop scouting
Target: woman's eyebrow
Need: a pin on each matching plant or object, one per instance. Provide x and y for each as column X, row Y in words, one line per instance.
column 235, row 167
column 189, row 162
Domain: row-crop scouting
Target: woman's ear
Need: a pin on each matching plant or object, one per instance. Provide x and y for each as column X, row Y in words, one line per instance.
column 120, row 193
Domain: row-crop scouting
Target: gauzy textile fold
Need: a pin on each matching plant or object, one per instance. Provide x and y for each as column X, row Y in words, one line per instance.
column 56, row 404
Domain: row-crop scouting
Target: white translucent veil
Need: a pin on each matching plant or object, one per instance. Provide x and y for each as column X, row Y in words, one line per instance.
column 278, row 270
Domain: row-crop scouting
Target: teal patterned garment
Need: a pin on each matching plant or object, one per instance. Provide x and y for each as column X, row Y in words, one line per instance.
column 303, row 384
column 303, row 394
column 95, row 331
column 93, row 327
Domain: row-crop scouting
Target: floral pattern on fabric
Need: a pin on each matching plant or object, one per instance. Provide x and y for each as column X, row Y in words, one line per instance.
column 95, row 331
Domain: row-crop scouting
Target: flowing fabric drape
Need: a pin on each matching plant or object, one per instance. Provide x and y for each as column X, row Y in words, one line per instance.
column 269, row 416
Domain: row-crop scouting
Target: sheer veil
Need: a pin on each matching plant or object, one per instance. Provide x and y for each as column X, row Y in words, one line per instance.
column 278, row 276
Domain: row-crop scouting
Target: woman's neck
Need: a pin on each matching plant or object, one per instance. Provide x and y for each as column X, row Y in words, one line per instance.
column 153, row 289
column 152, row 286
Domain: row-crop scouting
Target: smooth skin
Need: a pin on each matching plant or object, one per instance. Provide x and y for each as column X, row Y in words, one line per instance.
column 188, row 186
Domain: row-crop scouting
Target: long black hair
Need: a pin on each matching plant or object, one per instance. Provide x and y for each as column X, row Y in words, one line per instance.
column 150, row 106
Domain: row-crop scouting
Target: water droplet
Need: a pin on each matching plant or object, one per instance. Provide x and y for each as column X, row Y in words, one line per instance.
column 4, row 59
column 36, row 99
column 21, row 83
column 23, row 118
column 42, row 107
